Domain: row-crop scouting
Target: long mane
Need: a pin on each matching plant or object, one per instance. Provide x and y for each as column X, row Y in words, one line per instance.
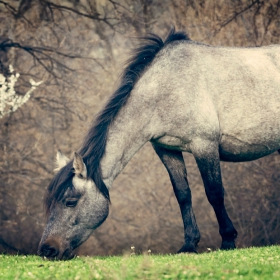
column 94, row 144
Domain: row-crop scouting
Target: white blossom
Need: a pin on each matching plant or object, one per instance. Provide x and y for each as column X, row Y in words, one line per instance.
column 9, row 100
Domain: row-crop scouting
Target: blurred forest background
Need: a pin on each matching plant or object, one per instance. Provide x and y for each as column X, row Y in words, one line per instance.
column 78, row 49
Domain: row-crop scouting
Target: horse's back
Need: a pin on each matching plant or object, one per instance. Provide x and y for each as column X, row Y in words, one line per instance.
column 248, row 104
column 233, row 90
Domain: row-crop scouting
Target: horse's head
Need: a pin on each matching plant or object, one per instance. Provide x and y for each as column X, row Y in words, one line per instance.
column 75, row 208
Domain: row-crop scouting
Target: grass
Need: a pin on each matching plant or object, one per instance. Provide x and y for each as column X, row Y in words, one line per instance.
column 252, row 263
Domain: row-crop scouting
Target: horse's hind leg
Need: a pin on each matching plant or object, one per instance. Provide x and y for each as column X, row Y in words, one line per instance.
column 207, row 157
column 175, row 165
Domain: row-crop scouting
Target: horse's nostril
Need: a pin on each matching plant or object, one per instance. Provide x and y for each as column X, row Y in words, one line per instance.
column 49, row 251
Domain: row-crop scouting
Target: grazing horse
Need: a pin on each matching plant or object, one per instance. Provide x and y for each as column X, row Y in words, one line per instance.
column 218, row 103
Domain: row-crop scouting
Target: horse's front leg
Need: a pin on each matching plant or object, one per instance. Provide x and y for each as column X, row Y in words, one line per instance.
column 175, row 165
column 206, row 154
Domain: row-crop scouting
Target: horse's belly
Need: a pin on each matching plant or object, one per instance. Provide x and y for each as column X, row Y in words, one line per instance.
column 237, row 149
column 244, row 147
column 174, row 143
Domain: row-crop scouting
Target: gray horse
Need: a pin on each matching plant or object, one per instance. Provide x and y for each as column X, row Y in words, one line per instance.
column 218, row 103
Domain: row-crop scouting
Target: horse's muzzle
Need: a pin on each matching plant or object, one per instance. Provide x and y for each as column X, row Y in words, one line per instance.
column 53, row 249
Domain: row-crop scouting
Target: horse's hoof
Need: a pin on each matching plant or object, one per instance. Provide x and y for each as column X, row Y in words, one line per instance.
column 228, row 245
column 187, row 249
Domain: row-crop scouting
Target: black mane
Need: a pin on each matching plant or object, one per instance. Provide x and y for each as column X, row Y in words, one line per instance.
column 94, row 144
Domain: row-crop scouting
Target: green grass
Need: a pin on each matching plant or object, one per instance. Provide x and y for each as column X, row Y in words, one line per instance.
column 252, row 263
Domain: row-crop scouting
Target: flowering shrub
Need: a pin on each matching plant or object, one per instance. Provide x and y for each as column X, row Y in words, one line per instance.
column 9, row 100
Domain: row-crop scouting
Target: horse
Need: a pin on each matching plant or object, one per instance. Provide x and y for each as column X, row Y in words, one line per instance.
column 218, row 103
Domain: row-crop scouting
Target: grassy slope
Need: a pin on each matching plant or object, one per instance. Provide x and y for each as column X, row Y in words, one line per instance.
column 252, row 263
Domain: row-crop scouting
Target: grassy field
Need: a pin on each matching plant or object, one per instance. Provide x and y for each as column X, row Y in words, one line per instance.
column 252, row 263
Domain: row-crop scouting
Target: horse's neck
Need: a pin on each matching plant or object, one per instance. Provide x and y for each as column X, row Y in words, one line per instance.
column 127, row 134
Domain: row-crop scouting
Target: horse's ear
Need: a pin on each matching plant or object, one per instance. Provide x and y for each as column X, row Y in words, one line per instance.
column 61, row 160
column 79, row 166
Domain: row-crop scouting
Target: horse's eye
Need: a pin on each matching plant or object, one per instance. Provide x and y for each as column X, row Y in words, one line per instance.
column 71, row 203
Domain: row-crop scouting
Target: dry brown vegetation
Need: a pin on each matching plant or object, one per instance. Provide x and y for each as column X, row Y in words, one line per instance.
column 78, row 48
